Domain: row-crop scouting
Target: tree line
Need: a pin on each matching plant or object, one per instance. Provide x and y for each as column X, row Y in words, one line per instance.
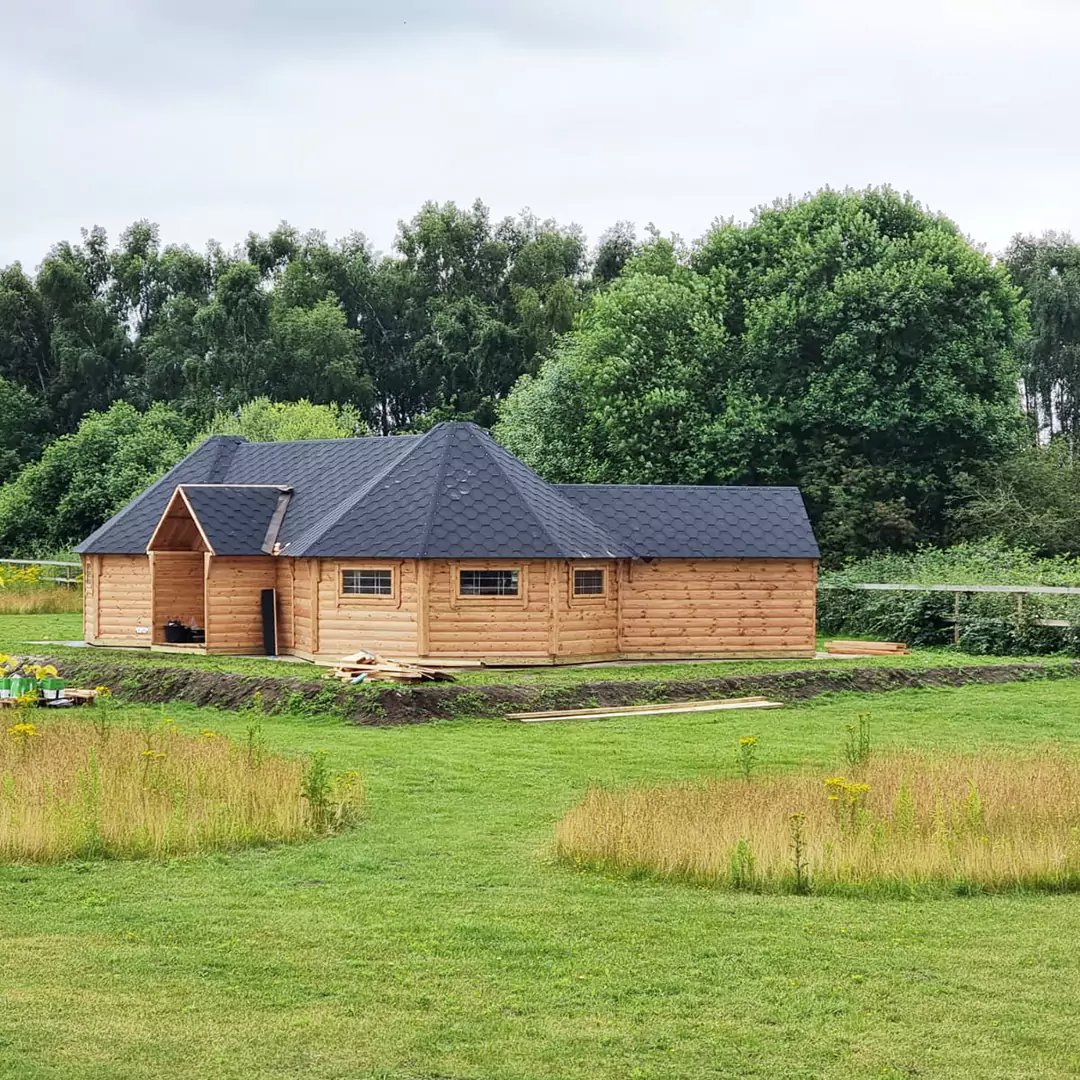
column 851, row 343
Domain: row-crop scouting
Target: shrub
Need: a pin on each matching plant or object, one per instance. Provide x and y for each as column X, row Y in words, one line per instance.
column 24, row 590
column 902, row 823
column 72, row 789
column 991, row 623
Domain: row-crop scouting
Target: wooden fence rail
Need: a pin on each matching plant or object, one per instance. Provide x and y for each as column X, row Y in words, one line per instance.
column 1019, row 591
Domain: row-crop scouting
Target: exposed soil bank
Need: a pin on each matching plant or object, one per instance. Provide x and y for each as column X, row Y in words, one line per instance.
column 375, row 704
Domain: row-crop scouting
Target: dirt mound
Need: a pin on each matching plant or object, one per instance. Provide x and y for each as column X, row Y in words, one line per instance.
column 373, row 704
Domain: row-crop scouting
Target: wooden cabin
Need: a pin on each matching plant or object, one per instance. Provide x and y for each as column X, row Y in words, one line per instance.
column 443, row 546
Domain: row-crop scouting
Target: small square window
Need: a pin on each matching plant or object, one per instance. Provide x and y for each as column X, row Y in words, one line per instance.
column 588, row 582
column 488, row 583
column 367, row 583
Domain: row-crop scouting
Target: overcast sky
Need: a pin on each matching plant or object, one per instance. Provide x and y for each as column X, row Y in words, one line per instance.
column 215, row 117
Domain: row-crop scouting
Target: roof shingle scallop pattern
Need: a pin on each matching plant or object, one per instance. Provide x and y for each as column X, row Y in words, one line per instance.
column 235, row 520
column 455, row 493
column 682, row 521
column 458, row 494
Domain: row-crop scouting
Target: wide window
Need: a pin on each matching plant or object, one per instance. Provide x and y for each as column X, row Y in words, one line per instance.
column 367, row 583
column 488, row 583
column 588, row 582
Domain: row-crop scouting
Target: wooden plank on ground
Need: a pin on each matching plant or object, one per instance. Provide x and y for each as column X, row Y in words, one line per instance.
column 645, row 710
column 630, row 708
column 897, row 648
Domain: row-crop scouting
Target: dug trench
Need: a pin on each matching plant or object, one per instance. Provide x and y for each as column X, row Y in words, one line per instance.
column 391, row 704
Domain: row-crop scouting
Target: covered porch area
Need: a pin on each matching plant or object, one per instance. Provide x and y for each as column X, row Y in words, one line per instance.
column 212, row 570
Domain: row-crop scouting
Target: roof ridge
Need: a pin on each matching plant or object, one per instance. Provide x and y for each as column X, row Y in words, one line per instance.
column 440, row 476
column 324, row 526
column 552, row 489
column 690, row 487
column 125, row 511
column 488, row 443
column 227, row 446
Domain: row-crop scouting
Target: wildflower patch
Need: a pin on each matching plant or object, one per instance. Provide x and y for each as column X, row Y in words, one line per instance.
column 901, row 823
column 83, row 789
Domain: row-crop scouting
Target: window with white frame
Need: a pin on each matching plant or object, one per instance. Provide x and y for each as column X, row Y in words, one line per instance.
column 488, row 583
column 589, row 582
column 367, row 582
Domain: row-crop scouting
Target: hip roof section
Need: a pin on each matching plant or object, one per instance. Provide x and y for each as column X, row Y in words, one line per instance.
column 450, row 493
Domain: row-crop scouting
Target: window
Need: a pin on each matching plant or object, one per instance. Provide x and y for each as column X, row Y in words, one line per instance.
column 588, row 582
column 367, row 583
column 488, row 583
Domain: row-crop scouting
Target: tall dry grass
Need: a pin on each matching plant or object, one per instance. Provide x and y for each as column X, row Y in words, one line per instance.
column 41, row 600
column 26, row 590
column 74, row 789
column 903, row 822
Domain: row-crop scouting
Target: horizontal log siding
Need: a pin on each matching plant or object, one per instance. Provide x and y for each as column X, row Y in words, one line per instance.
column 178, row 590
column 285, row 612
column 489, row 626
column 687, row 607
column 233, row 611
column 586, row 625
column 122, row 604
column 301, row 597
column 382, row 624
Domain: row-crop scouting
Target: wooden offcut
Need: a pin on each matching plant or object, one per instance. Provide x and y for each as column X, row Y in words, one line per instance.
column 375, row 668
column 882, row 648
column 604, row 713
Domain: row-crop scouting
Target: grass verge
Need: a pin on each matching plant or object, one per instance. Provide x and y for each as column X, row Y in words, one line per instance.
column 441, row 939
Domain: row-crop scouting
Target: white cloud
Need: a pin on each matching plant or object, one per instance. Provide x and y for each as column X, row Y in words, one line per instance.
column 231, row 116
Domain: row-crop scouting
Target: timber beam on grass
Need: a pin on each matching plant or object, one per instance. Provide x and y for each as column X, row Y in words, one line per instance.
column 645, row 710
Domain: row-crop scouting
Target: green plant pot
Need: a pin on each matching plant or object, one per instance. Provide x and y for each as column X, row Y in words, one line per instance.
column 22, row 684
column 51, row 689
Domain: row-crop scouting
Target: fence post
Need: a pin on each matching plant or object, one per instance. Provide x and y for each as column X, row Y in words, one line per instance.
column 956, row 618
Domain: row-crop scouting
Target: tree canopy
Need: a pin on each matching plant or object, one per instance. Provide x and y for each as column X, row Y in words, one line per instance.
column 850, row 343
column 1047, row 270
column 83, row 478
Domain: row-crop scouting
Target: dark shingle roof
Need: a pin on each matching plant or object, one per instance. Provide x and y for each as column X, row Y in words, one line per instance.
column 455, row 493
column 680, row 521
column 458, row 494
column 129, row 531
column 236, row 520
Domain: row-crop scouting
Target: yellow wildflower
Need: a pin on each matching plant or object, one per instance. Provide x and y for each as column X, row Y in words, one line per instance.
column 23, row 731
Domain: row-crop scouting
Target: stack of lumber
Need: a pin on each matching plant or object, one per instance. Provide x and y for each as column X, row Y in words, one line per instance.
column 866, row 648
column 366, row 666
column 645, row 710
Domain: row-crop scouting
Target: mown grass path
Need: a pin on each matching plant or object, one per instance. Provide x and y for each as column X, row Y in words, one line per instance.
column 440, row 939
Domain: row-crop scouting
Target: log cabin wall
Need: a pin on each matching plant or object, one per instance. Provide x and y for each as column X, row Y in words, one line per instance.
column 346, row 623
column 584, row 625
column 117, row 599
column 178, row 590
column 492, row 627
column 301, row 604
column 285, row 583
column 233, row 601
column 718, row 607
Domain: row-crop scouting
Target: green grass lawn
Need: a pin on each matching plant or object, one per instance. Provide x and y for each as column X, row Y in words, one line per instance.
column 17, row 632
column 440, row 940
